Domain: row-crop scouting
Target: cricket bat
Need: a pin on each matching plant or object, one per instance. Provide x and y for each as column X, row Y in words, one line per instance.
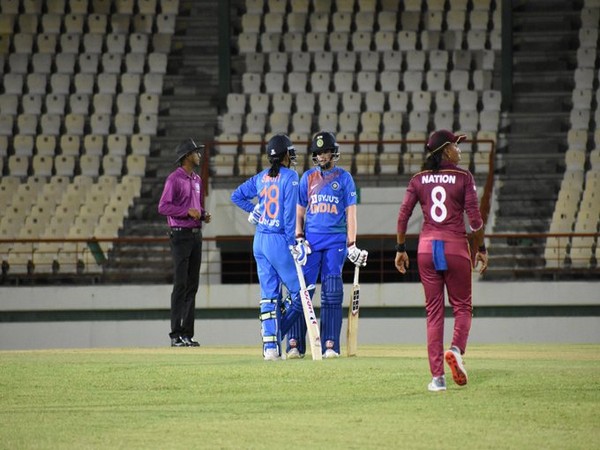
column 353, row 310
column 312, row 325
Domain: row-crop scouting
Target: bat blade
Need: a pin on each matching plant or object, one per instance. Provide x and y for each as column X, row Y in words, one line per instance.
column 353, row 313
column 312, row 325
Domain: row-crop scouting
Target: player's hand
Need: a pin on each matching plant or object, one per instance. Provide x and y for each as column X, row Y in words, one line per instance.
column 402, row 262
column 483, row 259
column 300, row 251
column 255, row 214
column 357, row 256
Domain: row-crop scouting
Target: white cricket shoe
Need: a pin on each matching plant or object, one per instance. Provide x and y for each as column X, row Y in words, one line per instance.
column 271, row 354
column 331, row 353
column 294, row 353
column 457, row 366
column 437, row 384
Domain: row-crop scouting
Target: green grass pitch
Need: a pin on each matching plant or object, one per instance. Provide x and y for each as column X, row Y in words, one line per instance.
column 519, row 396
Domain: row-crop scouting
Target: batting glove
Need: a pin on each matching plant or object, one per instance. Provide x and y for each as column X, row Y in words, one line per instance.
column 300, row 251
column 255, row 214
column 357, row 256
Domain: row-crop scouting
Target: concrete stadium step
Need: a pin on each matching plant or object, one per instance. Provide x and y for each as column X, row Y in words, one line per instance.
column 540, row 102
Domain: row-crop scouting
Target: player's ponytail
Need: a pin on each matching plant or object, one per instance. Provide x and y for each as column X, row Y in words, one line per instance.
column 275, row 166
column 433, row 160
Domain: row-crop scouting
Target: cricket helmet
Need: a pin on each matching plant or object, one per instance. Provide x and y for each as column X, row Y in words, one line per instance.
column 322, row 141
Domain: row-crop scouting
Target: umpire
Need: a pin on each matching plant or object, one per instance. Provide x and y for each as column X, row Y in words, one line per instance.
column 181, row 202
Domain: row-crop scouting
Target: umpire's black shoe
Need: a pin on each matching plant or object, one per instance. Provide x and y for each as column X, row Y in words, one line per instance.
column 188, row 341
column 177, row 342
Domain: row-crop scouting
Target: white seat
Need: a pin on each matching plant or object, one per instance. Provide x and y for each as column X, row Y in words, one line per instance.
column 88, row 63
column 375, row 101
column 433, row 20
column 341, row 21
column 140, row 144
column 362, row 40
column 93, row 43
column 461, row 60
column 36, row 83
column 274, row 82
column 430, row 39
column 18, row 63
column 41, row 63
column 305, row 102
column 407, row 40
column 126, row 103
column 6, row 124
column 84, row 83
column 410, row 20
column 115, row 43
column 165, row 23
column 343, row 81
column 111, row 63
column 153, row 83
column 421, row 101
column 116, row 144
column 413, row 80
column 251, row 83
column 459, row 80
column 482, row 80
column 100, row 124
column 147, row 124
column 468, row 120
column 346, row 61
column 588, row 36
column 256, row 123
column 279, row 122
column 292, row 42
column 27, row 124
column 69, row 145
column 370, row 122
column 320, row 81
column 476, row 40
column 297, row 82
column 436, row 80
column 369, row 61
column 418, row 121
column 438, row 60
column 79, row 103
column 384, row 40
column 315, row 41
column 135, row 63
column 577, row 139
column 131, row 82
column 32, row 104
column 64, row 165
column 120, row 23
column 468, row 100
column 281, row 102
column 270, row 42
column 149, row 103
column 580, row 119
column 300, row 62
column 302, row 122
column 74, row 124
column 274, row 21
column 455, row 20
column 65, row 63
column 351, row 102
column 319, row 21
column 23, row 42
column 50, row 124
column 93, row 145
column 232, row 123
column 296, row 22
column 23, row 145
column 161, row 42
column 581, row 98
column 328, row 102
column 443, row 120
column 9, row 104
column 112, row 165
column 348, row 121
column 328, row 121
column 366, row 81
column 364, row 20
column 387, row 21
column 45, row 145
column 392, row 122
column 323, row 61
column 398, row 101
column 278, row 62
column 89, row 165
column 97, row 23
column 124, row 123
column 393, row 144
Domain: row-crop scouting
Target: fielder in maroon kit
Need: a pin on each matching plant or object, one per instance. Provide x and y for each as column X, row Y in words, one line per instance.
column 445, row 192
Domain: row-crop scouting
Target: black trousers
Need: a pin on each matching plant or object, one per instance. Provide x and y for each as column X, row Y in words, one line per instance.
column 186, row 247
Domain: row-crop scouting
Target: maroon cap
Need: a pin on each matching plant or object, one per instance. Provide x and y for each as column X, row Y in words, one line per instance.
column 442, row 137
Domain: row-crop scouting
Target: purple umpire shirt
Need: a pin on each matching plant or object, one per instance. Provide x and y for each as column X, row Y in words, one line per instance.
column 444, row 197
column 181, row 192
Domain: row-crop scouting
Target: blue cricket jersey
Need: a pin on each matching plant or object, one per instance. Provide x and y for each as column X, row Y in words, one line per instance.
column 277, row 196
column 326, row 195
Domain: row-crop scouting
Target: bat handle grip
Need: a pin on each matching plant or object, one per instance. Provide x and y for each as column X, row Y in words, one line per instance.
column 356, row 273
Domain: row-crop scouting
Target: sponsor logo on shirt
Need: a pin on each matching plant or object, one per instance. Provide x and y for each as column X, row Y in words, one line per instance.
column 438, row 178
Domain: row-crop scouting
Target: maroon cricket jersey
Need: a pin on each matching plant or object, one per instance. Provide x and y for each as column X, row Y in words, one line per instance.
column 444, row 197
